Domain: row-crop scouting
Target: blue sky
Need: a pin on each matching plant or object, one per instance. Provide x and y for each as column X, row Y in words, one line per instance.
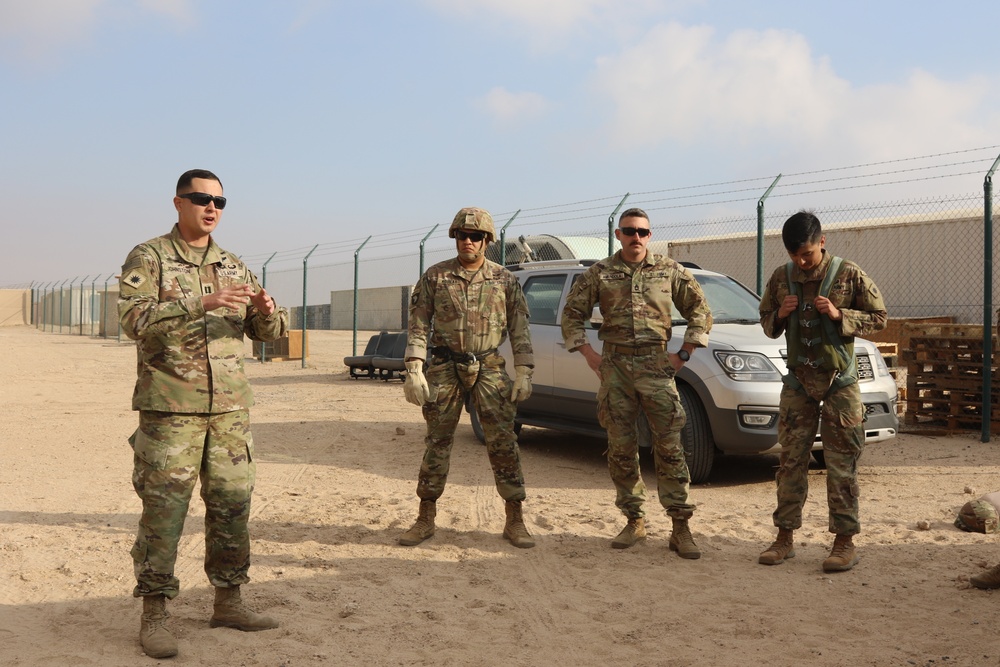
column 329, row 120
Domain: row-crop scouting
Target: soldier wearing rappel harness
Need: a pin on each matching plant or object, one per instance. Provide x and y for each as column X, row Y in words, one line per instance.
column 819, row 303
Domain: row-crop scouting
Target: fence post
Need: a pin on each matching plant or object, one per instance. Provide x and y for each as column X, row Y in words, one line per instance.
column 93, row 293
column 503, row 238
column 45, row 302
column 354, row 342
column 760, row 236
column 61, row 303
column 263, row 284
column 305, row 318
column 988, row 300
column 611, row 225
column 104, row 305
column 81, row 306
column 422, row 242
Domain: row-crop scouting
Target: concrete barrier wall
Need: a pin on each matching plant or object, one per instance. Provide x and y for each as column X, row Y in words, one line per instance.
column 15, row 307
column 379, row 309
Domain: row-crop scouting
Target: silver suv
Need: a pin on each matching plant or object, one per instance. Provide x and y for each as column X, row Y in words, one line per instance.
column 730, row 390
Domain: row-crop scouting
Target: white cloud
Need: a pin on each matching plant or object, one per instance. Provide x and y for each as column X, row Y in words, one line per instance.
column 35, row 28
column 553, row 25
column 179, row 10
column 509, row 108
column 551, row 14
column 684, row 84
column 38, row 31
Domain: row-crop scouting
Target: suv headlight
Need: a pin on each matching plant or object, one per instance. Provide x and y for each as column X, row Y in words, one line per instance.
column 747, row 366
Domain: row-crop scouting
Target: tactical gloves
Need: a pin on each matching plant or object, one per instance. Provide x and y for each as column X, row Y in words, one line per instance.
column 522, row 384
column 415, row 386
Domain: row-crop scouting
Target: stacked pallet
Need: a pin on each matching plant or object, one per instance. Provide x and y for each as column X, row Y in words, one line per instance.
column 944, row 376
column 287, row 347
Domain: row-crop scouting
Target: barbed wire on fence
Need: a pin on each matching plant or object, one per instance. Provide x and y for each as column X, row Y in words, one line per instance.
column 394, row 259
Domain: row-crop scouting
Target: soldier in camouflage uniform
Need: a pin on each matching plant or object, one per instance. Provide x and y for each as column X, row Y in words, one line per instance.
column 636, row 291
column 188, row 304
column 821, row 386
column 462, row 310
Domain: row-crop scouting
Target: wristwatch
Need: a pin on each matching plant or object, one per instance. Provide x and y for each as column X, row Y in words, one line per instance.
column 684, row 355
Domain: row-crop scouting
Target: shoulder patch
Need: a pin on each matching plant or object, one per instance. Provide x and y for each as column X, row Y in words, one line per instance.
column 134, row 279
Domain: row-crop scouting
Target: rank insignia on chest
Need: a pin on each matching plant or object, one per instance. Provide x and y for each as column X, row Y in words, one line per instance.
column 134, row 279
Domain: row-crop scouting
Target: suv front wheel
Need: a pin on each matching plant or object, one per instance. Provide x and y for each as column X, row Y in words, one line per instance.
column 696, row 436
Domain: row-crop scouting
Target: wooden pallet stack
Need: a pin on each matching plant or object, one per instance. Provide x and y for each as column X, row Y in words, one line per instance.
column 287, row 347
column 944, row 376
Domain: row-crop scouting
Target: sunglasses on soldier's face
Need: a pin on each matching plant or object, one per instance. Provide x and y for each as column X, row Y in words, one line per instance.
column 632, row 231
column 203, row 199
column 475, row 237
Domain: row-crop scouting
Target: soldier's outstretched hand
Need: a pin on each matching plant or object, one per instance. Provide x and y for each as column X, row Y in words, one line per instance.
column 228, row 297
column 264, row 303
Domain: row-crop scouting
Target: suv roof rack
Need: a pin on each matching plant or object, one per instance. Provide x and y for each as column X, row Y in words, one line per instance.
column 552, row 263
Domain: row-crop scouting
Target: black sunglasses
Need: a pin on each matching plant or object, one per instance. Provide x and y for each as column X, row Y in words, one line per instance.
column 203, row 199
column 632, row 231
column 475, row 237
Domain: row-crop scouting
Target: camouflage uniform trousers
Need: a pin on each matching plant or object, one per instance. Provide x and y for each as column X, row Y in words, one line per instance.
column 172, row 451
column 647, row 380
column 841, row 422
column 491, row 400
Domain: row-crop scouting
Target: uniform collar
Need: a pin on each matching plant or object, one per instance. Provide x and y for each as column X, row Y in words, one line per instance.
column 800, row 276
column 648, row 260
column 486, row 270
column 213, row 255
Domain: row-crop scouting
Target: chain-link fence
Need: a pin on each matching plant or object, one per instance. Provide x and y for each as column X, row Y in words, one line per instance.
column 926, row 254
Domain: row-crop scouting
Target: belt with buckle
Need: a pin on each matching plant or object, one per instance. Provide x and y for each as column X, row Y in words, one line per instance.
column 462, row 357
column 635, row 350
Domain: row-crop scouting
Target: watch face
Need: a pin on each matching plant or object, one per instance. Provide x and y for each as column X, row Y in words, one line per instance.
column 683, row 354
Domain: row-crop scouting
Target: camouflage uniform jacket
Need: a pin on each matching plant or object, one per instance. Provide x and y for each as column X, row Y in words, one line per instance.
column 468, row 312
column 189, row 360
column 852, row 292
column 636, row 305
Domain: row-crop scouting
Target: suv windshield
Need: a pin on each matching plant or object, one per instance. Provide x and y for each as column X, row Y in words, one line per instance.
column 731, row 302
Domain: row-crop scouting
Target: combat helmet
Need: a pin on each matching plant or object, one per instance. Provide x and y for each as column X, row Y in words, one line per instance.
column 978, row 516
column 471, row 219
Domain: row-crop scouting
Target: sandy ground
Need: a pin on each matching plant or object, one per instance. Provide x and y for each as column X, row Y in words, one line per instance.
column 337, row 467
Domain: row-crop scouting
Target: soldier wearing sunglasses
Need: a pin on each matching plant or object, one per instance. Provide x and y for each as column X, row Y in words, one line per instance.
column 636, row 291
column 188, row 304
column 462, row 310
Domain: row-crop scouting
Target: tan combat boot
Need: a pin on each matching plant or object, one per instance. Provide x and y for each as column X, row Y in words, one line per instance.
column 154, row 635
column 230, row 612
column 633, row 531
column 515, row 530
column 423, row 527
column 681, row 540
column 783, row 547
column 842, row 557
column 988, row 579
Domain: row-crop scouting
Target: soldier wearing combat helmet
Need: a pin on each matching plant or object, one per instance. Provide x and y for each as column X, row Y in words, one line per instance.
column 473, row 220
column 462, row 310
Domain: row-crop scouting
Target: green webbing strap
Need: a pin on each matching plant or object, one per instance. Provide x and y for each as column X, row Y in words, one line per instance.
column 848, row 362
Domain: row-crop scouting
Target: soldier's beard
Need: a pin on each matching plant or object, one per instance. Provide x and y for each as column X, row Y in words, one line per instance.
column 470, row 256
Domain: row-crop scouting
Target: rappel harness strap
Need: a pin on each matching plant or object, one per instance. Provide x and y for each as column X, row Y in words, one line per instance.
column 829, row 336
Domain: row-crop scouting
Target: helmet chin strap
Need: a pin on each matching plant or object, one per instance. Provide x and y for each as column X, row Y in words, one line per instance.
column 473, row 256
